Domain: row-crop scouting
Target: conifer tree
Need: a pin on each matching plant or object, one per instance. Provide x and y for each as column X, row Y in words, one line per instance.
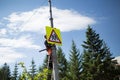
column 44, row 65
column 117, row 77
column 97, row 58
column 19, row 77
column 5, row 72
column 15, row 72
column 32, row 70
column 45, row 62
column 75, row 63
column 1, row 73
column 62, row 64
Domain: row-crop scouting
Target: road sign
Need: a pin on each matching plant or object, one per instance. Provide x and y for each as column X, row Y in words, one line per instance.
column 53, row 35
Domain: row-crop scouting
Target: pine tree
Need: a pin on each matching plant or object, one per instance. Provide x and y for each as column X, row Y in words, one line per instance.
column 45, row 62
column 15, row 72
column 5, row 72
column 97, row 58
column 117, row 77
column 75, row 63
column 1, row 73
column 32, row 70
column 62, row 64
column 19, row 77
column 44, row 65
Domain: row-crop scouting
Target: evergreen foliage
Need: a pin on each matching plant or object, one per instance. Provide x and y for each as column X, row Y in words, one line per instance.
column 33, row 70
column 117, row 77
column 97, row 58
column 45, row 62
column 5, row 72
column 15, row 73
column 74, row 63
column 62, row 64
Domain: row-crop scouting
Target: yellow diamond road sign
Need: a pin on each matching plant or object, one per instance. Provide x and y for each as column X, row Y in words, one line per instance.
column 53, row 35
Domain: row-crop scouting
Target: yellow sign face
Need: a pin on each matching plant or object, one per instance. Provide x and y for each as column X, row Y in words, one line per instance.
column 53, row 36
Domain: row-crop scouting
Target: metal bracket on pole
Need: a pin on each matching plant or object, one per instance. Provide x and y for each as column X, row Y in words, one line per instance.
column 42, row 50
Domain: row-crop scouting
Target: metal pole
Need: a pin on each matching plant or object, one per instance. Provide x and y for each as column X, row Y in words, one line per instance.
column 50, row 67
column 54, row 56
column 51, row 18
column 55, row 66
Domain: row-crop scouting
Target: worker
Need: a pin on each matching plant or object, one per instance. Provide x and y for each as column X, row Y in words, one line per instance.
column 48, row 46
column 49, row 50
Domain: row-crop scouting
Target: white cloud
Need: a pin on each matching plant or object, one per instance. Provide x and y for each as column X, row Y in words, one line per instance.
column 9, row 46
column 9, row 55
column 22, row 42
column 118, row 59
column 37, row 19
column 3, row 32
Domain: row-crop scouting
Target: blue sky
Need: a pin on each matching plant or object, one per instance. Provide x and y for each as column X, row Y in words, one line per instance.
column 22, row 26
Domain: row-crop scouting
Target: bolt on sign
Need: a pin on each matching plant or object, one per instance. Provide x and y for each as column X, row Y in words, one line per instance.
column 53, row 36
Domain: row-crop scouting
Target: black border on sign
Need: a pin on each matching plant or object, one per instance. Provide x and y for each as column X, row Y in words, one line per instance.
column 57, row 37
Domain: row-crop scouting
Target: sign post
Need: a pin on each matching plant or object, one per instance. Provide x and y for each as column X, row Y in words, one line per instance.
column 53, row 38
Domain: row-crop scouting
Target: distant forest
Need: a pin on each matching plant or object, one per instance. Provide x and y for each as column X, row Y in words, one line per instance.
column 94, row 63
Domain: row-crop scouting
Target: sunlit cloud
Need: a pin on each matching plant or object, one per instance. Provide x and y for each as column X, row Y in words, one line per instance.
column 37, row 19
column 118, row 59
column 22, row 42
column 9, row 55
column 3, row 32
